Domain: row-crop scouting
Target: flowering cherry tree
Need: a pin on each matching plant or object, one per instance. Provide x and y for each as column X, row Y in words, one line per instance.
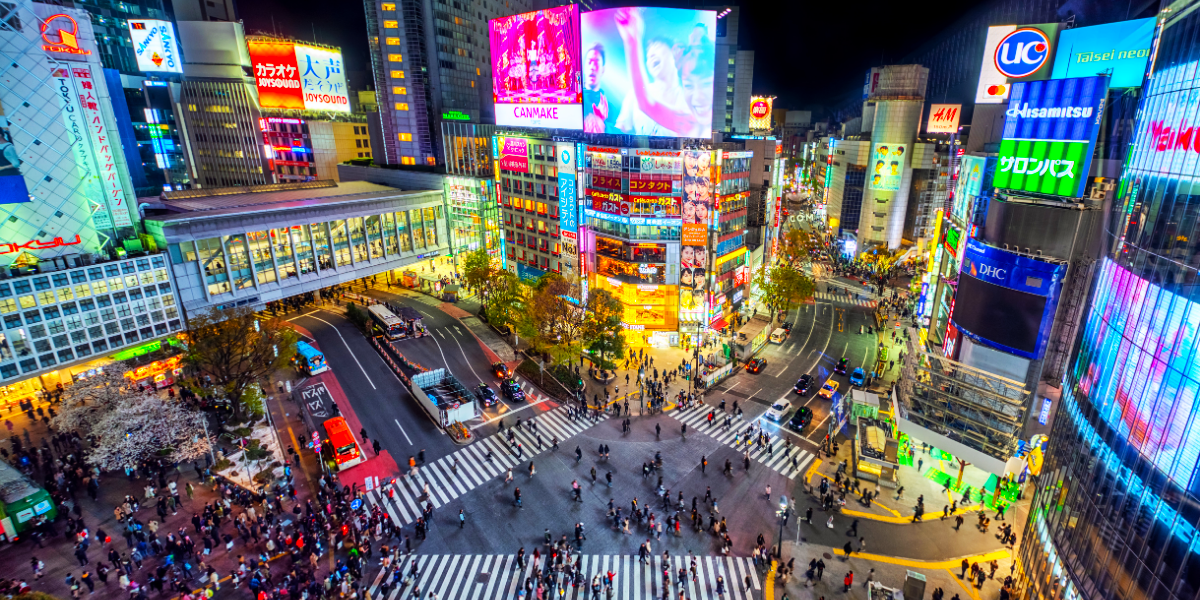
column 127, row 426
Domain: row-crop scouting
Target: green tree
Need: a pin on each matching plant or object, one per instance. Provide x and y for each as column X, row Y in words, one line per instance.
column 237, row 348
column 477, row 272
column 506, row 298
column 602, row 332
column 783, row 286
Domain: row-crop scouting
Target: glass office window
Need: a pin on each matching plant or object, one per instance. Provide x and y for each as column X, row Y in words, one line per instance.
column 341, row 243
column 402, row 228
column 283, row 253
column 304, row 251
column 320, row 240
column 357, row 238
column 239, row 261
column 260, row 251
column 374, row 238
column 418, row 227
column 212, row 260
column 389, row 234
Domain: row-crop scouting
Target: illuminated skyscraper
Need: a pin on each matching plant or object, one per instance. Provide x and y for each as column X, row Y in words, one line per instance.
column 1116, row 507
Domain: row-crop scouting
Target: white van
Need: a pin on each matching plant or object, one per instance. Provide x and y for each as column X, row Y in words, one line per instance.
column 779, row 335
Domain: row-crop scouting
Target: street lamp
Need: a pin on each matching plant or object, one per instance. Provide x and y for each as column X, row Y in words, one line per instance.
column 785, row 510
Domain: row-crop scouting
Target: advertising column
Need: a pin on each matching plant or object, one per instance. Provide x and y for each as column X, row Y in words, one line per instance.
column 568, row 206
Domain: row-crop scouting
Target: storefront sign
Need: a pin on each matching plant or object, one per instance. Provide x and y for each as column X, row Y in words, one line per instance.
column 652, row 187
column 606, row 182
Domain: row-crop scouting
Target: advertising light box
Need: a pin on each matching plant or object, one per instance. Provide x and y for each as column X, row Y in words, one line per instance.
column 993, row 85
column 1121, row 49
column 155, row 46
column 887, row 166
column 1049, row 130
column 536, row 68
column 943, row 118
column 648, row 71
column 760, row 112
column 1005, row 300
column 298, row 77
column 514, row 154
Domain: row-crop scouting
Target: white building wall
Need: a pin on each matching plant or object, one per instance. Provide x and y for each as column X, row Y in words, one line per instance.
column 896, row 122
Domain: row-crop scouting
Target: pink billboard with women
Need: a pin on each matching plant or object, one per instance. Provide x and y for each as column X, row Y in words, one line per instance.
column 649, row 71
column 536, row 78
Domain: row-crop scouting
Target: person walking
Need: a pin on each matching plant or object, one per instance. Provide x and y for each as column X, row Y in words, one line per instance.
column 848, row 581
column 462, row 518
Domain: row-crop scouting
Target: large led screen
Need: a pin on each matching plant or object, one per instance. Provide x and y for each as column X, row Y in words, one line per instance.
column 998, row 314
column 1139, row 366
column 298, row 77
column 648, row 71
column 535, row 68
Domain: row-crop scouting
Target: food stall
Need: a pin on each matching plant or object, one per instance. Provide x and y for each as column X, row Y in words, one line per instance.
column 158, row 374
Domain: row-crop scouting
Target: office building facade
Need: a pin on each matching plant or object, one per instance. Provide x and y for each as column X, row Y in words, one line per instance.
column 1114, row 512
column 431, row 63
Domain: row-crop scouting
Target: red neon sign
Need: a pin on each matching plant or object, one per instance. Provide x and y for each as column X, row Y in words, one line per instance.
column 10, row 247
column 68, row 40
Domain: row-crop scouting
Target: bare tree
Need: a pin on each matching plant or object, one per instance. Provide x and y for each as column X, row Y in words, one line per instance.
column 236, row 348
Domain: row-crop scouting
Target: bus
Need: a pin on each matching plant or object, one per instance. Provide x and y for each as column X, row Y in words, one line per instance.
column 345, row 448
column 390, row 324
column 309, row 359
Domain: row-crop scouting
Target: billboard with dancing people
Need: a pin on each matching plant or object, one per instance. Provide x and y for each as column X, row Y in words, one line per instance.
column 535, row 68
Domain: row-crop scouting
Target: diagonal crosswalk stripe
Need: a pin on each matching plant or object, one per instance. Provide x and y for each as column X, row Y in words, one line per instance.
column 403, row 498
column 789, row 462
column 496, row 577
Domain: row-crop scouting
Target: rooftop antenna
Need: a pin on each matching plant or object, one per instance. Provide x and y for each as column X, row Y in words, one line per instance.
column 314, row 30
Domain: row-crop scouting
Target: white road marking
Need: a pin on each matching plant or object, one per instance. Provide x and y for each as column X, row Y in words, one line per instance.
column 360, row 367
column 402, row 431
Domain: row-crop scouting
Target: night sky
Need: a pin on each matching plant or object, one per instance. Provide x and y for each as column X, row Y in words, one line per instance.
column 810, row 54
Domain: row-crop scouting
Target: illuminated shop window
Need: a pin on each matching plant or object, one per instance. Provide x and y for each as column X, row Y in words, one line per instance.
column 397, row 74
column 400, row 91
column 388, row 6
column 392, row 41
column 395, row 57
column 391, row 24
column 401, row 106
column 404, row 137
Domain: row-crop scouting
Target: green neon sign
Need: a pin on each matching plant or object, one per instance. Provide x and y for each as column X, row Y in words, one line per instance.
column 455, row 115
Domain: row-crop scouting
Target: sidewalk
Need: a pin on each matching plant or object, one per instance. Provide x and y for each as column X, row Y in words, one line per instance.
column 888, row 571
column 57, row 550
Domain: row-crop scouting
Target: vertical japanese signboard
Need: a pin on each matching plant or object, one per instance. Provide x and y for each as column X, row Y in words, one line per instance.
column 81, row 148
column 105, row 145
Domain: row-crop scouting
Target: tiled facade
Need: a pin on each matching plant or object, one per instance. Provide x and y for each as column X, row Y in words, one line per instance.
column 529, row 212
column 55, row 319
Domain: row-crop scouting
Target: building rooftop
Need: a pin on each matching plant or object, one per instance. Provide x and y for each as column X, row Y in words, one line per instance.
column 187, row 205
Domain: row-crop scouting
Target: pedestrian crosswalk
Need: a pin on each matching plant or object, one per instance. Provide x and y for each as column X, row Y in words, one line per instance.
column 842, row 298
column 789, row 462
column 494, row 576
column 403, row 498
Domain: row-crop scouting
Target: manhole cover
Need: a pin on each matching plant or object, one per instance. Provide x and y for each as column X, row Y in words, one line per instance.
column 483, row 577
column 826, row 555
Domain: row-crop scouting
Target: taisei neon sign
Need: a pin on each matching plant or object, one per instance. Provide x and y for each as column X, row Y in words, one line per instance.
column 68, row 40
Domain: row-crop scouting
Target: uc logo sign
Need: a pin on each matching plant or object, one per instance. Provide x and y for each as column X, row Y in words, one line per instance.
column 565, row 157
column 1022, row 52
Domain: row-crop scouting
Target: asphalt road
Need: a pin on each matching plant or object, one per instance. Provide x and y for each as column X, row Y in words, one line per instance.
column 385, row 408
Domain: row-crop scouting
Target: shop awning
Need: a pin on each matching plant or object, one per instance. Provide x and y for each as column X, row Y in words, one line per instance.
column 718, row 323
